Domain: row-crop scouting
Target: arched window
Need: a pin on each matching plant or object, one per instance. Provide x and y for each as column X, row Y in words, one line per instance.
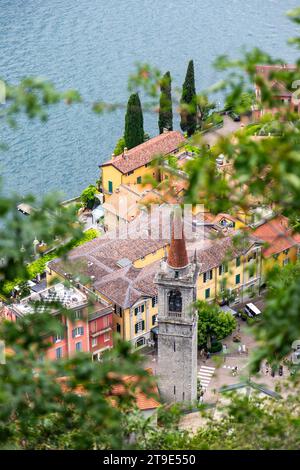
column 175, row 301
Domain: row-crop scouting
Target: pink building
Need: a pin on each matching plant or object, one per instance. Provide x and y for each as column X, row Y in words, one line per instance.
column 284, row 96
column 87, row 329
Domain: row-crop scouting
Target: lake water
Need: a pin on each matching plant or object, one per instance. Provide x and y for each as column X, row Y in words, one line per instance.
column 92, row 45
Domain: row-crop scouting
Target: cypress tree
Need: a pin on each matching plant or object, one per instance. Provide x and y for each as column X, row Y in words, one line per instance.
column 134, row 123
column 165, row 120
column 188, row 102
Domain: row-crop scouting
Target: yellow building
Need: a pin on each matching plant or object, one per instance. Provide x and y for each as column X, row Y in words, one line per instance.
column 119, row 272
column 280, row 245
column 230, row 271
column 133, row 165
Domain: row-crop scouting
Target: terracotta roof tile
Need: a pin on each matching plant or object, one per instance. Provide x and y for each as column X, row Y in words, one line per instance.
column 144, row 153
column 277, row 236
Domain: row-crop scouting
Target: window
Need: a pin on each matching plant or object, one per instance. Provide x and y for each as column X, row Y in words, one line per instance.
column 118, row 310
column 140, row 342
column 57, row 338
column 79, row 331
column 105, row 322
column 154, row 319
column 223, row 268
column 154, row 301
column 207, row 276
column 58, row 353
column 139, row 180
column 223, row 285
column 110, row 187
column 139, row 309
column 174, row 346
column 94, row 342
column 93, row 326
column 286, row 261
column 118, row 328
column 130, row 172
column 139, row 327
column 78, row 346
column 77, row 315
column 238, row 279
column 286, row 251
column 106, row 337
column 252, row 256
column 175, row 301
column 238, row 261
column 176, row 274
column 207, row 293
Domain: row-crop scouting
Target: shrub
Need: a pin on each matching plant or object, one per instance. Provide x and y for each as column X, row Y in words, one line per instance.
column 39, row 265
column 120, row 146
column 216, row 347
column 88, row 196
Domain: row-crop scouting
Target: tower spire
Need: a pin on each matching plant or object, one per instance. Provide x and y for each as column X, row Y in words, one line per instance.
column 177, row 257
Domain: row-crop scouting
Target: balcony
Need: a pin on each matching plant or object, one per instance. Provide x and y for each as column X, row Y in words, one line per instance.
column 174, row 314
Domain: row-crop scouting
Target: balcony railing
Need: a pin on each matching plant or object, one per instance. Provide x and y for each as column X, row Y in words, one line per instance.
column 175, row 314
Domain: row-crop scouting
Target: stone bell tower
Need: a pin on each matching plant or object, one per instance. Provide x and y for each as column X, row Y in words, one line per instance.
column 177, row 321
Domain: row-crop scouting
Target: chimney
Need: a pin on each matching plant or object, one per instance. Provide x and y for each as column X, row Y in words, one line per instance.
column 112, row 156
column 165, row 130
column 177, row 257
column 124, row 152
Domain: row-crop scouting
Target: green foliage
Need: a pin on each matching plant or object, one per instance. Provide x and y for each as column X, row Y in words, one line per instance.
column 88, row 196
column 188, row 102
column 39, row 265
column 213, row 322
column 280, row 323
column 62, row 404
column 33, row 96
column 243, row 104
column 165, row 120
column 134, row 122
column 205, row 118
column 120, row 146
column 216, row 347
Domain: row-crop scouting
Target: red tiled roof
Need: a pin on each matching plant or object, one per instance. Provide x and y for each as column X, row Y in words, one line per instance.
column 144, row 153
column 277, row 236
column 143, row 401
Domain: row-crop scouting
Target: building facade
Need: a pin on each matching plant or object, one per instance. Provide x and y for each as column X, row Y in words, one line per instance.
column 88, row 328
column 133, row 165
column 177, row 325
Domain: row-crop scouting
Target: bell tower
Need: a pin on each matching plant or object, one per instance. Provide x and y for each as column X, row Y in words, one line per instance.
column 177, row 321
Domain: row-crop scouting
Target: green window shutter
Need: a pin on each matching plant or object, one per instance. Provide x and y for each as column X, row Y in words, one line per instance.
column 136, row 328
column 220, row 270
column 238, row 262
column 136, row 310
column 238, row 279
column 207, row 293
column 139, row 180
column 143, row 324
column 110, row 187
